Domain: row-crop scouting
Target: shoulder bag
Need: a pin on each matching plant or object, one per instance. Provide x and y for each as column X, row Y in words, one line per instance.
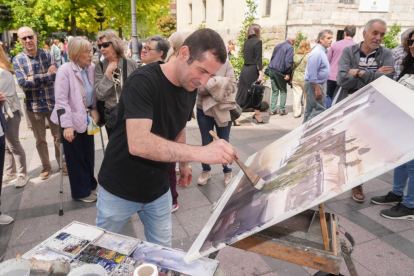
column 256, row 92
column 110, row 114
column 293, row 71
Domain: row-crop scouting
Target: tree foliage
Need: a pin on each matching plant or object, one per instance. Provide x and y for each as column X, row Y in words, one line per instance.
column 300, row 37
column 167, row 25
column 238, row 60
column 390, row 39
column 53, row 15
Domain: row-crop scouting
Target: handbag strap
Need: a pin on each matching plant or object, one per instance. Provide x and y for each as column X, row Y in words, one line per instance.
column 300, row 61
column 124, row 71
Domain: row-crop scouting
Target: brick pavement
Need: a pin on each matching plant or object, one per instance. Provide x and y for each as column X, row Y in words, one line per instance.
column 384, row 247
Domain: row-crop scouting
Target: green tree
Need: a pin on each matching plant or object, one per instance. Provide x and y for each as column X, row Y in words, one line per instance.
column 390, row 38
column 167, row 25
column 24, row 15
column 300, row 37
column 238, row 60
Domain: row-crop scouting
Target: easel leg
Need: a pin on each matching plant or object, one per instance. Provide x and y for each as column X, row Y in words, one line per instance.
column 324, row 226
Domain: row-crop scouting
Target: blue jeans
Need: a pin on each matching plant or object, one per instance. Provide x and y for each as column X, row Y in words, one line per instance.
column 401, row 175
column 114, row 212
column 207, row 123
column 331, row 86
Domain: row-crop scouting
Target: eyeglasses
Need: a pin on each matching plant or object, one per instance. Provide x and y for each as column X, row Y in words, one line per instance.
column 27, row 37
column 410, row 42
column 105, row 44
column 88, row 53
column 147, row 49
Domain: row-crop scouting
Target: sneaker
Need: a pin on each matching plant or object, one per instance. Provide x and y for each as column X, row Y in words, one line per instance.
column 227, row 178
column 175, row 207
column 358, row 194
column 65, row 169
column 389, row 198
column 21, row 180
column 88, row 199
column 45, row 174
column 95, row 192
column 203, row 178
column 5, row 219
column 399, row 212
column 7, row 178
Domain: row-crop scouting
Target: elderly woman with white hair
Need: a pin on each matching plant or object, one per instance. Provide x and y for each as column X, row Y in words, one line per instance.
column 74, row 92
column 176, row 41
column 109, row 74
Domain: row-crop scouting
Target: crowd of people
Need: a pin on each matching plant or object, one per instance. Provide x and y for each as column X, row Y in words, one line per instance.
column 145, row 110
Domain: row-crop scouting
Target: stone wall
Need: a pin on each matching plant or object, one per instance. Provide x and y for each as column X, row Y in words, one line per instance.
column 310, row 18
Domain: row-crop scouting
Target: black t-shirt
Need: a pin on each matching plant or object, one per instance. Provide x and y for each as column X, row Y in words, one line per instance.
column 147, row 94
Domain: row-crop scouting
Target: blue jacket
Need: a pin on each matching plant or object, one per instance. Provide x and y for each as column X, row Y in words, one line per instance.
column 282, row 59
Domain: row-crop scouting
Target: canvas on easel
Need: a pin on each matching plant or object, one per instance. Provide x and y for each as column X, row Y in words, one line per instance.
column 362, row 137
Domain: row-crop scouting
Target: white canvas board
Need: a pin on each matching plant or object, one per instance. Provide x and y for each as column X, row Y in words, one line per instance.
column 362, row 137
column 81, row 230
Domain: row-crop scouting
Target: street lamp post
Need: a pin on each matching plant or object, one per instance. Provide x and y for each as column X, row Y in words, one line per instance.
column 101, row 17
column 135, row 55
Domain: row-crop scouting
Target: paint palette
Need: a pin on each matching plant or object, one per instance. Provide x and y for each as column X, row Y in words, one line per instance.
column 66, row 244
column 130, row 264
column 108, row 259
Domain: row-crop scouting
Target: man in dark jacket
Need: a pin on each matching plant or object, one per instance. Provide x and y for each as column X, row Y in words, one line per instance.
column 362, row 63
column 279, row 72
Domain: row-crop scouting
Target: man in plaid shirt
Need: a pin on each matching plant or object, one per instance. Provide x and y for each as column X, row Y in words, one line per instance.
column 399, row 54
column 35, row 71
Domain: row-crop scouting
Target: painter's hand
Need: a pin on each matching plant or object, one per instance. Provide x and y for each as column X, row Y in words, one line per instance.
column 318, row 94
column 69, row 134
column 186, row 175
column 385, row 70
column 218, row 152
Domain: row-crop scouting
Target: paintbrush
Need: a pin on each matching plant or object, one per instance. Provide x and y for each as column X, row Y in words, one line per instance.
column 253, row 177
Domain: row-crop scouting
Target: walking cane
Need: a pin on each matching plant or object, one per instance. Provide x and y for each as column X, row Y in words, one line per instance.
column 60, row 112
column 103, row 145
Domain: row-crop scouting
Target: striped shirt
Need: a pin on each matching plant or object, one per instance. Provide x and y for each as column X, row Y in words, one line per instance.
column 40, row 93
column 367, row 63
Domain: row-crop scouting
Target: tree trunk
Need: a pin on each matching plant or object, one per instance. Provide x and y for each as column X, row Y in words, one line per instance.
column 73, row 25
column 120, row 32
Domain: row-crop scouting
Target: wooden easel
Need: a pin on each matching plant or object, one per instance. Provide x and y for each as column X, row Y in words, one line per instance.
column 301, row 240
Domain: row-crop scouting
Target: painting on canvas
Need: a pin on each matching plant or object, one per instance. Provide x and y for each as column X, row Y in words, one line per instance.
column 172, row 259
column 330, row 154
column 118, row 243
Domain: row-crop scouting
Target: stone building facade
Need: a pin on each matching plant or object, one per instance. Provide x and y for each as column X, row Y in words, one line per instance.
column 278, row 17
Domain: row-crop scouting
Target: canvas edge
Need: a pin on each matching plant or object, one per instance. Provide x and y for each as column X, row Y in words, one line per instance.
column 194, row 252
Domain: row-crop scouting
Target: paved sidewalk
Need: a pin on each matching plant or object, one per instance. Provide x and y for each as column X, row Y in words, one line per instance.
column 384, row 247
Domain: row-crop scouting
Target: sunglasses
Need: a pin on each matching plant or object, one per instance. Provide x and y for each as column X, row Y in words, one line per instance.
column 105, row 44
column 27, row 37
column 410, row 42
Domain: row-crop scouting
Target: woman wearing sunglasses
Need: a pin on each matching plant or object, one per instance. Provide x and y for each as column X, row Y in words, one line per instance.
column 75, row 94
column 109, row 76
